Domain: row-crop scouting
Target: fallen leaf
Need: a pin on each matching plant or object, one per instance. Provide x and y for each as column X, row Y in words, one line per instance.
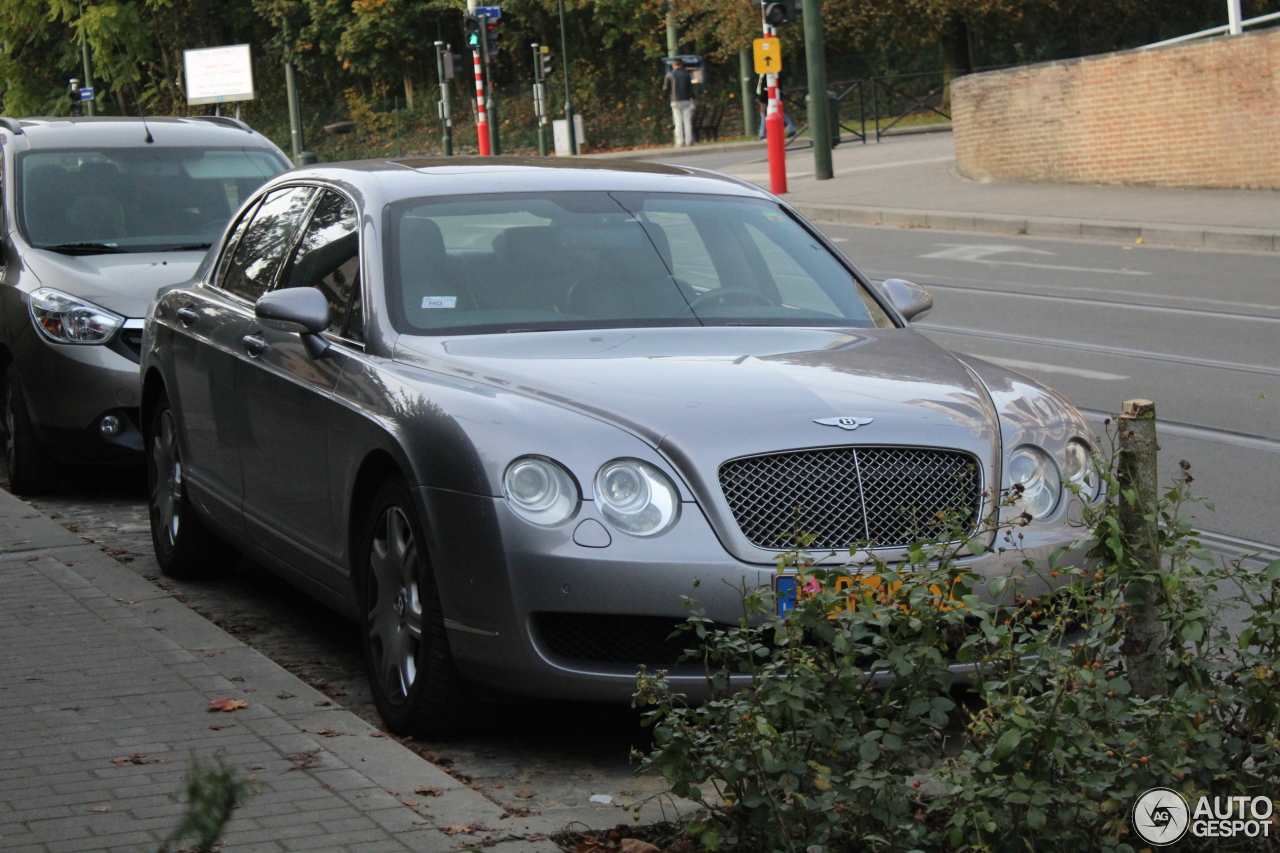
column 238, row 678
column 322, row 703
column 100, row 809
column 284, row 695
column 635, row 845
column 497, row 785
column 327, row 732
column 227, row 705
column 525, row 793
column 378, row 734
column 428, row 791
column 456, row 829
column 255, row 766
column 217, row 727
column 138, row 758
column 411, row 802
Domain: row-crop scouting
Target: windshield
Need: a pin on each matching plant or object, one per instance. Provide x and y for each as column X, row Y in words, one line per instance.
column 581, row 260
column 93, row 201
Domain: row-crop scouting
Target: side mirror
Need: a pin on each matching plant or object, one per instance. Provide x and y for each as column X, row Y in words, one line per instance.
column 911, row 300
column 296, row 309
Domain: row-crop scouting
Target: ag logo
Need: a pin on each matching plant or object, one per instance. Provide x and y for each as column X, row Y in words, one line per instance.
column 1161, row 816
column 845, row 423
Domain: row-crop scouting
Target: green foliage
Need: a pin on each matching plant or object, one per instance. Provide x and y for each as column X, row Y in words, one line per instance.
column 822, row 726
column 212, row 794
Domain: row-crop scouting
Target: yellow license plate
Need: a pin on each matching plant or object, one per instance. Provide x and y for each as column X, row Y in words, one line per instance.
column 788, row 590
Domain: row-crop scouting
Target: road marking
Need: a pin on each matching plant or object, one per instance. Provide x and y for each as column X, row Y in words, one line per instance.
column 977, row 253
column 758, row 176
column 1123, row 352
column 1221, row 436
column 1040, row 367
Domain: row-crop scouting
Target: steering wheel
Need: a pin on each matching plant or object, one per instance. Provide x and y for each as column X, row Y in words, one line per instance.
column 725, row 297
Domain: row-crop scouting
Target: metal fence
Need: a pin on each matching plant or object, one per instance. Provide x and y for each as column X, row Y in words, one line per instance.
column 882, row 106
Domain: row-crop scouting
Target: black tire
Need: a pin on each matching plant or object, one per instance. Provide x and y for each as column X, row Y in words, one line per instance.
column 184, row 547
column 416, row 686
column 32, row 471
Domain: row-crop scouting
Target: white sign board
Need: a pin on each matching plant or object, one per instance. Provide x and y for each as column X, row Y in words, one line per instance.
column 218, row 74
column 560, row 130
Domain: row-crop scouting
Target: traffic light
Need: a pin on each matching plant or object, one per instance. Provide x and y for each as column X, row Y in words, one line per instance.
column 779, row 12
column 471, row 27
column 544, row 62
column 492, row 35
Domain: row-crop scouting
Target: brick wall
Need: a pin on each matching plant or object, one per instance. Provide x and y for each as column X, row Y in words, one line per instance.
column 1201, row 114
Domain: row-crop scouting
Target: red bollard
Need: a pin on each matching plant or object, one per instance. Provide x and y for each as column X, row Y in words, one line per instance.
column 482, row 124
column 775, row 131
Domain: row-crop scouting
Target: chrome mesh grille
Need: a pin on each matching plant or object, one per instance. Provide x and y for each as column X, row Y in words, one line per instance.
column 888, row 496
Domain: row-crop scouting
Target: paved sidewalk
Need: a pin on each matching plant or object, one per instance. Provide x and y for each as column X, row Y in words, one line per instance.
column 105, row 681
column 911, row 181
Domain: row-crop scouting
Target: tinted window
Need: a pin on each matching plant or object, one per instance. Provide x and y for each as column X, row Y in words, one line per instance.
column 136, row 199
column 328, row 256
column 263, row 245
column 598, row 260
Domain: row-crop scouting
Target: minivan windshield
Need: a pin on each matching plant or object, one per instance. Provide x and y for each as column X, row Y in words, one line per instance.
column 581, row 260
column 97, row 201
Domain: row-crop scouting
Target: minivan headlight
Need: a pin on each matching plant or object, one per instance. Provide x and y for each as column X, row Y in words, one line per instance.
column 1041, row 483
column 65, row 319
column 636, row 497
column 540, row 490
column 1079, row 470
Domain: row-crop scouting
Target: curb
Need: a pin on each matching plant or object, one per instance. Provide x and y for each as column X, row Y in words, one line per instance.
column 1164, row 234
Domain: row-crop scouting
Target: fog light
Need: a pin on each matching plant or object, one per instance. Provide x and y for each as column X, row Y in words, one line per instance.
column 110, row 426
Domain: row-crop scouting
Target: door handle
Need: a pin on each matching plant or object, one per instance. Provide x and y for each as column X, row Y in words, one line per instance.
column 254, row 345
column 187, row 316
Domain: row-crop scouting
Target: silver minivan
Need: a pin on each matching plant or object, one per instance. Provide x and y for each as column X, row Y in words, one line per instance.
column 99, row 214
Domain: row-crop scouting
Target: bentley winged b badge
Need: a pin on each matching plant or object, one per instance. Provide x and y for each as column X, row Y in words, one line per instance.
column 844, row 423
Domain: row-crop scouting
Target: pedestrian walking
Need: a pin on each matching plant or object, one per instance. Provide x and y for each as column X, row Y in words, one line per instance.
column 762, row 97
column 679, row 84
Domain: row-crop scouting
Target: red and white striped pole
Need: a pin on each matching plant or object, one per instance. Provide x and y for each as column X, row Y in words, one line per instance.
column 775, row 128
column 482, row 122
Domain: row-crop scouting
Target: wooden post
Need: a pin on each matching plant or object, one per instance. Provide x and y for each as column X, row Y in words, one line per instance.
column 1143, row 586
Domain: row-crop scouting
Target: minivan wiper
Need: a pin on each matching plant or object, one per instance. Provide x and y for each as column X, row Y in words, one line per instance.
column 185, row 247
column 85, row 249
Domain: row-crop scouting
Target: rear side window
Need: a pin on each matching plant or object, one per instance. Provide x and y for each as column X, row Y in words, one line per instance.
column 265, row 241
column 328, row 259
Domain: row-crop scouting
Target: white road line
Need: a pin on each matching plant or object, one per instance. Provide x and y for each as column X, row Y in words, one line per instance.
column 1040, row 367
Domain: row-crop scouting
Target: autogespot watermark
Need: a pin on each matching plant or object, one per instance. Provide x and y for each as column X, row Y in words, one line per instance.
column 1162, row 816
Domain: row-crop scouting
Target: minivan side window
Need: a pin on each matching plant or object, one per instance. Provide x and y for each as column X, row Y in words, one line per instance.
column 328, row 259
column 264, row 243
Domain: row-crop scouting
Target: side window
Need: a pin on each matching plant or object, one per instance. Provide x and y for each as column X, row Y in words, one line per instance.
column 232, row 241
column 264, row 243
column 328, row 259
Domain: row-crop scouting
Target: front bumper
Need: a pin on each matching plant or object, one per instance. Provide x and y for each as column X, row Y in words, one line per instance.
column 532, row 613
column 70, row 388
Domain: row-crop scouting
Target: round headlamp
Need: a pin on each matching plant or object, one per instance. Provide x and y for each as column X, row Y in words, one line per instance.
column 636, row 497
column 540, row 490
column 1078, row 470
column 1033, row 469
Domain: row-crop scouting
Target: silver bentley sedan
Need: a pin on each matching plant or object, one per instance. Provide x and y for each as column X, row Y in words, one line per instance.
column 506, row 412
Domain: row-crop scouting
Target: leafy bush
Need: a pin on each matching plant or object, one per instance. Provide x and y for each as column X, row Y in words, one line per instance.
column 826, row 725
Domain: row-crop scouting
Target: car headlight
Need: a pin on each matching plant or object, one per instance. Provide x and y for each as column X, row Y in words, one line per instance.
column 1080, row 471
column 1041, row 483
column 64, row 319
column 635, row 497
column 540, row 490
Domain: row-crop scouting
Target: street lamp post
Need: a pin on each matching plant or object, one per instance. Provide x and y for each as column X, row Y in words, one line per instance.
column 819, row 109
column 568, row 103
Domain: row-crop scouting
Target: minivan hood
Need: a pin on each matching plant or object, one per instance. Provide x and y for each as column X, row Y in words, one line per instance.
column 711, row 394
column 125, row 283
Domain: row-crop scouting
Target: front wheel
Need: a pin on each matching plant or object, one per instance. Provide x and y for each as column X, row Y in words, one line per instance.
column 416, row 686
column 32, row 471
column 184, row 546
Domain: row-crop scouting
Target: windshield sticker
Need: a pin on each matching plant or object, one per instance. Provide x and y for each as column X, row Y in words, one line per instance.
column 439, row 302
column 773, row 216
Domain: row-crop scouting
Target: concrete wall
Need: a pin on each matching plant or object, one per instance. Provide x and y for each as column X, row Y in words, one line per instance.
column 1201, row 114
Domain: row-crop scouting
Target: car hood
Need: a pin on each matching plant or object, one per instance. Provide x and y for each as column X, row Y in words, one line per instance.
column 706, row 395
column 125, row 283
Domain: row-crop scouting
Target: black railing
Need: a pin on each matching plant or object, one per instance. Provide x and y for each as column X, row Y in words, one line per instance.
column 848, row 93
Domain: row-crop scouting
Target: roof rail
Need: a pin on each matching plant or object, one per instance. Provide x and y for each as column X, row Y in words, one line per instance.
column 225, row 121
column 10, row 124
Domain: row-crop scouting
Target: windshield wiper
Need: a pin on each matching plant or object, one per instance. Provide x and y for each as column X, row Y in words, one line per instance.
column 185, row 247
column 85, row 249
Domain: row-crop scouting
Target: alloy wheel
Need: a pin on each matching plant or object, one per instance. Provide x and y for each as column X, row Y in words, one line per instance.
column 166, row 490
column 395, row 605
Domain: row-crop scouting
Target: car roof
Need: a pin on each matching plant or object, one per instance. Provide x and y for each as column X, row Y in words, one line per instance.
column 131, row 131
column 414, row 177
